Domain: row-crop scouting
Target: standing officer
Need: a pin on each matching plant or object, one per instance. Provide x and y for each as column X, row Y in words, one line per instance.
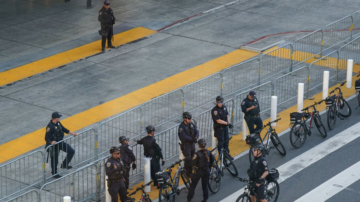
column 107, row 20
column 251, row 108
column 201, row 162
column 152, row 150
column 115, row 172
column 127, row 157
column 188, row 135
column 55, row 133
column 222, row 124
column 258, row 172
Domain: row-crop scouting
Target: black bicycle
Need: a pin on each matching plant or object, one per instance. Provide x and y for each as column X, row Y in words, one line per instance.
column 270, row 135
column 272, row 190
column 144, row 196
column 300, row 130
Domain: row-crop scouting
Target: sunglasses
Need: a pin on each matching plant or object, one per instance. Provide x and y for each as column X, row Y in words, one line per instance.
column 220, row 102
column 117, row 153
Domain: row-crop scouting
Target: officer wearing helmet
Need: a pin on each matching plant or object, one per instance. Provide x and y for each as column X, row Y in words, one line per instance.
column 115, row 172
column 222, row 124
column 251, row 108
column 188, row 135
column 258, row 172
column 127, row 157
column 202, row 161
column 152, row 150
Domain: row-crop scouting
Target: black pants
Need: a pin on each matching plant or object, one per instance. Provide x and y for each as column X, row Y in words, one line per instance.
column 251, row 122
column 222, row 135
column 155, row 167
column 127, row 175
column 117, row 189
column 55, row 156
column 204, row 176
column 188, row 150
column 108, row 37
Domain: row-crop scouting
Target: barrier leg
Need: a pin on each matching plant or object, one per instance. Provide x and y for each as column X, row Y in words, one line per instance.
column 214, row 142
column 325, row 85
column 67, row 199
column 300, row 100
column 107, row 195
column 244, row 128
column 147, row 177
column 273, row 109
column 349, row 72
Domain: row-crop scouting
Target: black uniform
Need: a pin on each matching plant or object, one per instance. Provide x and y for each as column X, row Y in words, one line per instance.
column 257, row 168
column 55, row 132
column 107, row 20
column 202, row 171
column 188, row 135
column 221, row 131
column 116, row 184
column 127, row 157
column 252, row 117
column 152, row 150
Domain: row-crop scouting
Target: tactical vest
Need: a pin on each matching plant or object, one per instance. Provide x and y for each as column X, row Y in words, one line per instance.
column 148, row 148
column 124, row 156
column 203, row 164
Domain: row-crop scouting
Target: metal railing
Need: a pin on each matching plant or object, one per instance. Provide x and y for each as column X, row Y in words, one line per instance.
column 337, row 32
column 29, row 196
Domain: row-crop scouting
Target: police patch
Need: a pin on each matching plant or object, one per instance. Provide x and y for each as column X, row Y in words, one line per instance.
column 180, row 129
column 47, row 129
column 265, row 163
column 55, row 128
column 108, row 164
column 215, row 113
column 243, row 102
column 130, row 148
column 194, row 157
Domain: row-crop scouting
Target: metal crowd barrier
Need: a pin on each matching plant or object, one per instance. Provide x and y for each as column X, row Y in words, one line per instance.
column 349, row 51
column 356, row 27
column 308, row 46
column 29, row 196
column 337, row 32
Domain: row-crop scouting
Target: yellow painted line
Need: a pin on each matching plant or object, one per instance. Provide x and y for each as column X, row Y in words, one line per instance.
column 69, row 56
column 83, row 119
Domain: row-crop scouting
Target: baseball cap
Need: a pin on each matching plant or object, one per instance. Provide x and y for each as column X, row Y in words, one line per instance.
column 106, row 3
column 252, row 93
column 55, row 115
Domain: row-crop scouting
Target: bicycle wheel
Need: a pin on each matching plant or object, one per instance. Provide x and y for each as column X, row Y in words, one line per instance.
column 320, row 126
column 251, row 155
column 214, row 180
column 147, row 199
column 272, row 191
column 278, row 144
column 344, row 109
column 230, row 166
column 166, row 193
column 243, row 198
column 186, row 180
column 298, row 135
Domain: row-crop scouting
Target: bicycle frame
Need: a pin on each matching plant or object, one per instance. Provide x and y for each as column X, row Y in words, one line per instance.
column 175, row 180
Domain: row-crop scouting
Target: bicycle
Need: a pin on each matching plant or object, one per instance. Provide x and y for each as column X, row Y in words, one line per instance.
column 270, row 135
column 337, row 106
column 357, row 88
column 271, row 191
column 144, row 197
column 169, row 190
column 300, row 129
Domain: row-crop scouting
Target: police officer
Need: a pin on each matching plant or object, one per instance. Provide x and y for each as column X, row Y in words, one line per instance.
column 188, row 135
column 127, row 157
column 201, row 162
column 251, row 108
column 55, row 133
column 222, row 124
column 258, row 172
column 115, row 172
column 152, row 150
column 107, row 20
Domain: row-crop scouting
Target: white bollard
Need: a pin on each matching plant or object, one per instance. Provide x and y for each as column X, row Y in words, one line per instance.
column 273, row 109
column 325, row 85
column 244, row 128
column 349, row 72
column 107, row 195
column 147, row 173
column 67, row 199
column 300, row 101
column 214, row 142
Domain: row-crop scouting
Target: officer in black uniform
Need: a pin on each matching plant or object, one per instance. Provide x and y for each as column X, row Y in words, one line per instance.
column 222, row 124
column 55, row 133
column 188, row 135
column 251, row 108
column 258, row 172
column 201, row 162
column 115, row 172
column 152, row 150
column 127, row 157
column 107, row 20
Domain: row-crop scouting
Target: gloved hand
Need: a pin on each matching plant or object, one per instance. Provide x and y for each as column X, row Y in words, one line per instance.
column 194, row 140
column 230, row 125
column 134, row 166
column 137, row 141
column 162, row 162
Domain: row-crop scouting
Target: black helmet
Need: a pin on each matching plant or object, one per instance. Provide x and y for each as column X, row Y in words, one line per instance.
column 187, row 115
column 122, row 139
column 259, row 147
column 219, row 98
column 202, row 143
column 114, row 149
column 150, row 129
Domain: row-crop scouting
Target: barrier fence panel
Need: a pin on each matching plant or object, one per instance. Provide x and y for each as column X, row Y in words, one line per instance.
column 350, row 50
column 337, row 32
column 85, row 150
column 308, row 46
column 79, row 185
column 202, row 92
column 276, row 61
column 29, row 196
column 240, row 76
column 21, row 173
column 356, row 27
column 168, row 141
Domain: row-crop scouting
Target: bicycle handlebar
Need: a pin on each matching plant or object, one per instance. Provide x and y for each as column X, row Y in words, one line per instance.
column 268, row 124
column 140, row 188
column 338, row 88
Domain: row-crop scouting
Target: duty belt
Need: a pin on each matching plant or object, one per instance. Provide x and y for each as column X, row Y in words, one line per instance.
column 253, row 116
column 116, row 181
